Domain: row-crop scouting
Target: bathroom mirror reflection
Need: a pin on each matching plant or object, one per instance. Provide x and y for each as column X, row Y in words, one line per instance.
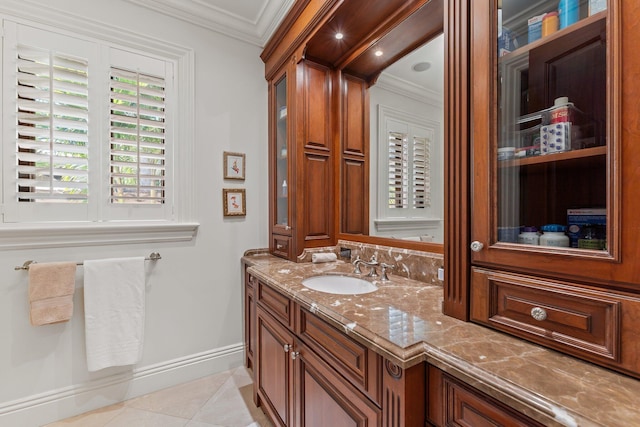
column 406, row 199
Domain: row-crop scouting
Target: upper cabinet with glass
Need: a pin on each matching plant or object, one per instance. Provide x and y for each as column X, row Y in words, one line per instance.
column 550, row 149
column 554, row 132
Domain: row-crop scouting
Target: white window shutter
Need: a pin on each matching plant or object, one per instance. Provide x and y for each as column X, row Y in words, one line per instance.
column 398, row 177
column 52, row 127
column 137, row 137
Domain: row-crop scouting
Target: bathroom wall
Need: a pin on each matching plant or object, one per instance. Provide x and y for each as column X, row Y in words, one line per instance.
column 194, row 301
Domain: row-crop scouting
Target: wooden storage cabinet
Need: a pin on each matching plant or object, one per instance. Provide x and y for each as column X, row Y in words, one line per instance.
column 586, row 298
column 589, row 323
column 454, row 403
column 331, row 381
column 300, row 158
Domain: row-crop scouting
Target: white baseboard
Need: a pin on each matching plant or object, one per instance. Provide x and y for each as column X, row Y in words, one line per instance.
column 54, row 405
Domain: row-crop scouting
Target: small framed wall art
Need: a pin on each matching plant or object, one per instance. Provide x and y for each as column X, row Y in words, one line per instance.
column 234, row 165
column 234, row 203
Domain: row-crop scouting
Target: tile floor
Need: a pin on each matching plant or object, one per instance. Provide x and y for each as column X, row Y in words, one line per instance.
column 221, row 400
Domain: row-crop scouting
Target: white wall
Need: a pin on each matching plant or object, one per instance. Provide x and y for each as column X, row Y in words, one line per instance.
column 194, row 298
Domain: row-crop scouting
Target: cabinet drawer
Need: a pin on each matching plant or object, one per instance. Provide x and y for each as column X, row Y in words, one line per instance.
column 278, row 305
column 557, row 314
column 358, row 364
column 281, row 246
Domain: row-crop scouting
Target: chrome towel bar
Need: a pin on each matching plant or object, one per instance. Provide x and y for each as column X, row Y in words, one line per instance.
column 154, row 256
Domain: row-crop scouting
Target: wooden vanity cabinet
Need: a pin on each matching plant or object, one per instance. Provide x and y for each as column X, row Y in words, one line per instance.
column 300, row 376
column 583, row 300
column 310, row 373
column 454, row 403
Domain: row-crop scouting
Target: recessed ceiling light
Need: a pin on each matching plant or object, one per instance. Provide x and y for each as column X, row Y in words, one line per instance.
column 339, row 36
column 421, row 66
column 378, row 52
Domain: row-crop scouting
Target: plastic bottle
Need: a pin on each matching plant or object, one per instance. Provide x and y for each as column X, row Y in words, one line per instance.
column 554, row 235
column 569, row 12
column 549, row 23
column 284, row 188
column 529, row 236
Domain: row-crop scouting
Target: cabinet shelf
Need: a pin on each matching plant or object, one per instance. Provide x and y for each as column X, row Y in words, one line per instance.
column 556, row 157
column 577, row 27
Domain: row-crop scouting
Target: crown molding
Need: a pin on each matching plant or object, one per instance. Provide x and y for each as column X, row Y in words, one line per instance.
column 410, row 90
column 256, row 32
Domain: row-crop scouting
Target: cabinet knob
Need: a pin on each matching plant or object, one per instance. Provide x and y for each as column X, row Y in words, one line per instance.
column 538, row 313
column 287, row 348
column 476, row 246
column 294, row 355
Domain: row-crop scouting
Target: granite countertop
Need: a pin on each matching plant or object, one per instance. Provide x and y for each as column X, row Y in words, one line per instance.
column 403, row 322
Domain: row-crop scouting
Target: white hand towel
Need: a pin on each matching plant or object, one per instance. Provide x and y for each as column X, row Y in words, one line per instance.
column 323, row 257
column 114, row 311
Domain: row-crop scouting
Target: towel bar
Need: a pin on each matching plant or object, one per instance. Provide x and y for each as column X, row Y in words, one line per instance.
column 154, row 256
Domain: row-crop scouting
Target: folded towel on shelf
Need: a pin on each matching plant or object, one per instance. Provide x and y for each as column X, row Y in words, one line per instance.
column 323, row 257
column 114, row 308
column 51, row 287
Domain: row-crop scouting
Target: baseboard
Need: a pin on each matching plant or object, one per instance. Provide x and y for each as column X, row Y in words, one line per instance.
column 44, row 408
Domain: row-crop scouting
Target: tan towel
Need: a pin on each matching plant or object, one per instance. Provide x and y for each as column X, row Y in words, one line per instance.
column 51, row 287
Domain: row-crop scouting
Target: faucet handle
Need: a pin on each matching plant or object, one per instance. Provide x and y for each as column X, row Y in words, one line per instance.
column 356, row 262
column 385, row 267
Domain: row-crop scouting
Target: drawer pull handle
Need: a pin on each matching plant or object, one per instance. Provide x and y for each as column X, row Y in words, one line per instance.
column 294, row 355
column 287, row 348
column 538, row 313
column 279, row 246
column 476, row 246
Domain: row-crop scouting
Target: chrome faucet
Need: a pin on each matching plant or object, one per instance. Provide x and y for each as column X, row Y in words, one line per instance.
column 373, row 262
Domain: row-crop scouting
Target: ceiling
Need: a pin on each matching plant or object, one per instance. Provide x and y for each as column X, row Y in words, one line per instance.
column 252, row 21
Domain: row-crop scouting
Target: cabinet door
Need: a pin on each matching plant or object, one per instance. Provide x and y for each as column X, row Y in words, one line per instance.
column 546, row 139
column 273, row 377
column 324, row 398
column 280, row 152
column 454, row 403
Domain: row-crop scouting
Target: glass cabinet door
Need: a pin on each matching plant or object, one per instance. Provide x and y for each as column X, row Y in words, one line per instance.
column 281, row 155
column 546, row 110
column 550, row 151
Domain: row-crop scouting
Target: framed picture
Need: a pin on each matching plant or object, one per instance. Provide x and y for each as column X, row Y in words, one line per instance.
column 233, row 165
column 234, row 202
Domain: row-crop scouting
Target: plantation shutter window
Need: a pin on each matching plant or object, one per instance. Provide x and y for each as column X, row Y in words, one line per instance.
column 137, row 160
column 408, row 160
column 89, row 129
column 52, row 152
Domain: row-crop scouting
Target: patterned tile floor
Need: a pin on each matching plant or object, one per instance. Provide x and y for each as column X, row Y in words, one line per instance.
column 221, row 400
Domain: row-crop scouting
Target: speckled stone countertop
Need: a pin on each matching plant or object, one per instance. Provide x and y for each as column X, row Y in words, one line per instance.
column 403, row 322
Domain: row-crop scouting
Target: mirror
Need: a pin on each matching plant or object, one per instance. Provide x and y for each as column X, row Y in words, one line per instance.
column 406, row 157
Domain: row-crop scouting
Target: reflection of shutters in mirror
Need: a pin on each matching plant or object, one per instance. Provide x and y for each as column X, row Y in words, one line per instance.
column 137, row 142
column 409, row 181
column 52, row 119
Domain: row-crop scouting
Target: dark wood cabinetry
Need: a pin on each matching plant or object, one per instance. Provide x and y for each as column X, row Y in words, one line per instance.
column 454, row 403
column 301, row 158
column 309, row 374
column 579, row 300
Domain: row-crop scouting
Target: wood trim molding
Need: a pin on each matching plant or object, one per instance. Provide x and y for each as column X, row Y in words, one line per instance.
column 456, row 159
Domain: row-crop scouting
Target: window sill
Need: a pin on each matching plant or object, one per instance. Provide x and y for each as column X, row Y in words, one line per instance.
column 66, row 235
column 400, row 224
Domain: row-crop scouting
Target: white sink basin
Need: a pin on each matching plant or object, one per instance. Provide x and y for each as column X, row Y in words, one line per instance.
column 343, row 285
